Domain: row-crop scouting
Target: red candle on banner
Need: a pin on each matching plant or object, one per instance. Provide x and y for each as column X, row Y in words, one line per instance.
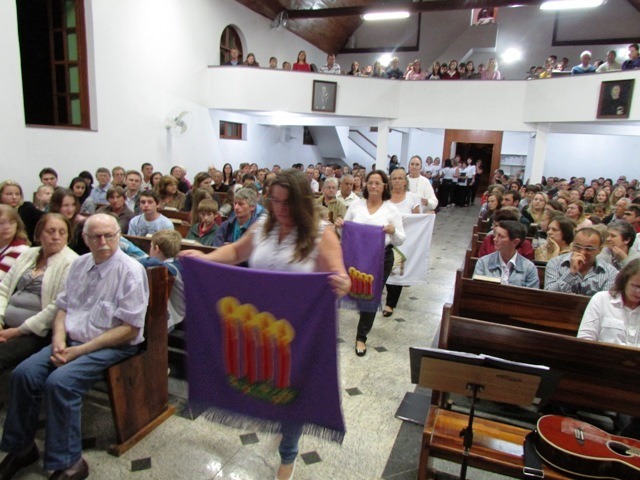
column 244, row 314
column 283, row 334
column 369, row 283
column 226, row 308
column 260, row 323
column 352, row 277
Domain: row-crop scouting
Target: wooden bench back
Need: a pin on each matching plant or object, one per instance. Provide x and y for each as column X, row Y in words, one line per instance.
column 144, row 243
column 138, row 386
column 597, row 375
column 525, row 307
column 175, row 214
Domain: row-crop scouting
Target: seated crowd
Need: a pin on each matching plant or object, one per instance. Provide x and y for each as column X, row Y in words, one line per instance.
column 448, row 70
column 59, row 340
column 583, row 234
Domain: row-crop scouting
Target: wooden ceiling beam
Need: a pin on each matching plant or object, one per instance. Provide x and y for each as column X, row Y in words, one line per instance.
column 635, row 4
column 412, row 7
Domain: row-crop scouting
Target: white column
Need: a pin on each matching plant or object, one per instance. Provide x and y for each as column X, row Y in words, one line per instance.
column 382, row 158
column 535, row 162
column 404, row 149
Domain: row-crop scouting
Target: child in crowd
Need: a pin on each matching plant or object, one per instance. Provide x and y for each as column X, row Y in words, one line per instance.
column 205, row 230
column 165, row 245
column 43, row 197
column 150, row 220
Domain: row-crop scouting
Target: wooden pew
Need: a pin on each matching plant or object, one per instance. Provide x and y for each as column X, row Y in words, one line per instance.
column 176, row 341
column 596, row 376
column 175, row 214
column 144, row 243
column 518, row 306
column 138, row 386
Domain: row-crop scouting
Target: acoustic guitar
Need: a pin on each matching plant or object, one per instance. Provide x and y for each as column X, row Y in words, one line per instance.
column 586, row 451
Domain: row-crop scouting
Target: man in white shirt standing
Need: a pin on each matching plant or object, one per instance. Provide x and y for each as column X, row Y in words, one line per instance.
column 315, row 186
column 610, row 65
column 421, row 186
column 346, row 190
column 331, row 67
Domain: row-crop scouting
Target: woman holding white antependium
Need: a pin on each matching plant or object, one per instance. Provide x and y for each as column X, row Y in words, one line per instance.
column 407, row 203
column 29, row 290
column 290, row 238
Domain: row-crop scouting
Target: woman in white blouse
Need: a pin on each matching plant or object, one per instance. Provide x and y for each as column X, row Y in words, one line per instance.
column 407, row 203
column 375, row 209
column 290, row 238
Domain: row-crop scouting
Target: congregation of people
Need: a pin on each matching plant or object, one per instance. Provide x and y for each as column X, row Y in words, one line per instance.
column 585, row 234
column 582, row 233
column 50, row 336
column 449, row 70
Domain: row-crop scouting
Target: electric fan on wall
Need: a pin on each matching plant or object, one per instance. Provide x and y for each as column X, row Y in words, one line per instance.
column 178, row 122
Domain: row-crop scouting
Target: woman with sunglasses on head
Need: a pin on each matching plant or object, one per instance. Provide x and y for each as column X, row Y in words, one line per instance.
column 291, row 237
column 376, row 209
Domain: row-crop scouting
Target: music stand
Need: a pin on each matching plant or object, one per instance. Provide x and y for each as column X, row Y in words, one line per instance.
column 481, row 377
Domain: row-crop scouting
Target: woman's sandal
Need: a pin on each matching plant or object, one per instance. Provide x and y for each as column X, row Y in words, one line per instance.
column 387, row 313
column 361, row 352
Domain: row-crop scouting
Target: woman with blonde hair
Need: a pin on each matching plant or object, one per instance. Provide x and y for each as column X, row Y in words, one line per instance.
column 13, row 238
column 535, row 210
column 11, row 194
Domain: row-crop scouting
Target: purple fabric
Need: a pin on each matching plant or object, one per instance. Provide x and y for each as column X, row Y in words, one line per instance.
column 263, row 345
column 363, row 253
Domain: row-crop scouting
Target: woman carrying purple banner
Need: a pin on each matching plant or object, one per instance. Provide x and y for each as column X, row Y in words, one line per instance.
column 375, row 209
column 291, row 238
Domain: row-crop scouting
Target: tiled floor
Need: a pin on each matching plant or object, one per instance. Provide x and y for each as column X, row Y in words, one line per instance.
column 377, row 445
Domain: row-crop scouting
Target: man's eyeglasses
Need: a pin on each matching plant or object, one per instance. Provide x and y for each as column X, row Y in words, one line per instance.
column 109, row 237
column 581, row 248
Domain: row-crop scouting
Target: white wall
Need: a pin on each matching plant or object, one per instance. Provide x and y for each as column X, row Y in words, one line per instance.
column 150, row 57
column 592, row 156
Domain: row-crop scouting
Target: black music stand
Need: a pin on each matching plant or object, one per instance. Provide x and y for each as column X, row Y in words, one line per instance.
column 480, row 377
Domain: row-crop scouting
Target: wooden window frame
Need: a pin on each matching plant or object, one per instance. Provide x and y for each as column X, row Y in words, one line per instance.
column 229, row 39
column 232, row 130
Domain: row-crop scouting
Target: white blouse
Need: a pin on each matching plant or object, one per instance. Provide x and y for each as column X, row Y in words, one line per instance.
column 271, row 254
column 387, row 214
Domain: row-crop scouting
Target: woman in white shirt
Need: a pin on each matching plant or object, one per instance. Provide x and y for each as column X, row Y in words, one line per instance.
column 407, row 203
column 291, row 238
column 375, row 209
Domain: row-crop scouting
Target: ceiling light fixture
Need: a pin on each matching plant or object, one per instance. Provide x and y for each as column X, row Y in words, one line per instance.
column 375, row 16
column 570, row 4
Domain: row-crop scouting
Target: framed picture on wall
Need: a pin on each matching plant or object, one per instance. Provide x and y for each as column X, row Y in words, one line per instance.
column 324, row 96
column 615, row 99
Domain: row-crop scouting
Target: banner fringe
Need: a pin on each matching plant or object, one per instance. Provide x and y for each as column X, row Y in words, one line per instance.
column 245, row 422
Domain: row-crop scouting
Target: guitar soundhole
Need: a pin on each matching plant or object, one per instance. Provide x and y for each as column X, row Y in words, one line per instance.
column 620, row 448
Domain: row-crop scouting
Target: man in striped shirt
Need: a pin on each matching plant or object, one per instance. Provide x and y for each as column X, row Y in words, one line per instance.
column 579, row 271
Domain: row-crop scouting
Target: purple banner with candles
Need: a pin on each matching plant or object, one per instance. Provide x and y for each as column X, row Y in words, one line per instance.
column 262, row 346
column 363, row 254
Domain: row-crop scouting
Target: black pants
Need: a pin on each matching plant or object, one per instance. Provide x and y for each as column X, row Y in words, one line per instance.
column 393, row 295
column 446, row 193
column 366, row 318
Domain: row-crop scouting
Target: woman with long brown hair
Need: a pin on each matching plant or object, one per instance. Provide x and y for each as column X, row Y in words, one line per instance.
column 290, row 238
